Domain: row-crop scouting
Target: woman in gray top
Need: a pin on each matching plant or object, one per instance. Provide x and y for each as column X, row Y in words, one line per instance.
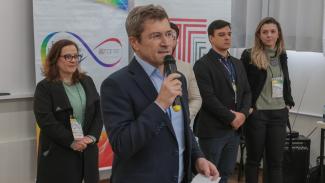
column 267, row 73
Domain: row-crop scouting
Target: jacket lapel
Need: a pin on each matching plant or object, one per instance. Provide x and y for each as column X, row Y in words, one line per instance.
column 145, row 84
column 221, row 68
column 61, row 100
column 184, row 100
column 90, row 97
column 142, row 80
column 185, row 109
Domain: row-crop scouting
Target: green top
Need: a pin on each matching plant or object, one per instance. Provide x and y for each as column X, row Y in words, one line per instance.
column 77, row 98
column 265, row 100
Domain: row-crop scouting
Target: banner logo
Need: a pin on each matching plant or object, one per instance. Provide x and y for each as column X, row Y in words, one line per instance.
column 121, row 4
column 107, row 53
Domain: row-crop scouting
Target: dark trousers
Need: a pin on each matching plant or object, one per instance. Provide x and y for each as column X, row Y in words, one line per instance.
column 222, row 152
column 265, row 130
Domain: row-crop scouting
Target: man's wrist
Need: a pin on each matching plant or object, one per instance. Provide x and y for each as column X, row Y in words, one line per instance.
column 161, row 105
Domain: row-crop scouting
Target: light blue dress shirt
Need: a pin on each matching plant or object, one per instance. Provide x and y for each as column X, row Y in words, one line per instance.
column 177, row 118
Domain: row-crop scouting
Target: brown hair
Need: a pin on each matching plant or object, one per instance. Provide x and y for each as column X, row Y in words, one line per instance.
column 51, row 70
column 258, row 54
column 138, row 15
column 175, row 28
column 217, row 24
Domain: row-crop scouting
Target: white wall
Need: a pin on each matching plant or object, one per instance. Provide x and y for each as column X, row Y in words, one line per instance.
column 17, row 141
column 17, row 123
column 17, row 47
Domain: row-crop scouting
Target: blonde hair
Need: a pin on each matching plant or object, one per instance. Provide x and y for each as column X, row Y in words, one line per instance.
column 258, row 55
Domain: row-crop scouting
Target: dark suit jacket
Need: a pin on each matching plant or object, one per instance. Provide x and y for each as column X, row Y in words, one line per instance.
column 218, row 95
column 57, row 162
column 140, row 132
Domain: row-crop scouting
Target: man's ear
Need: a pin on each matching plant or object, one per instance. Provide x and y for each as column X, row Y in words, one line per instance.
column 210, row 38
column 134, row 42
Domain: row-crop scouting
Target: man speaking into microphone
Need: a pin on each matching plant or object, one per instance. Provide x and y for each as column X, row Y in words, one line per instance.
column 169, row 68
column 151, row 141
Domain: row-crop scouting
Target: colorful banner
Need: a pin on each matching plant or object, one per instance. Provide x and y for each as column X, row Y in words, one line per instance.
column 97, row 26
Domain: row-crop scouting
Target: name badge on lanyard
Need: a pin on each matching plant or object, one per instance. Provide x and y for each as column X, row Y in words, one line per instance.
column 76, row 128
column 231, row 72
column 277, row 87
column 234, row 87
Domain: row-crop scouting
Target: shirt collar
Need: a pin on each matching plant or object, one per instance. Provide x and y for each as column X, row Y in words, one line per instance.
column 218, row 56
column 148, row 68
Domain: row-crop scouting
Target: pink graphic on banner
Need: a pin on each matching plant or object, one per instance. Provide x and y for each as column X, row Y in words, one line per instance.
column 192, row 38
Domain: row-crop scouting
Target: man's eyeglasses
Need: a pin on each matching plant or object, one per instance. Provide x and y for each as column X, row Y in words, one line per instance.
column 69, row 57
column 171, row 35
column 174, row 34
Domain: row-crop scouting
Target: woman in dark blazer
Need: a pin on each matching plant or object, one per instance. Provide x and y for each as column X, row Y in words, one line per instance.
column 267, row 73
column 65, row 98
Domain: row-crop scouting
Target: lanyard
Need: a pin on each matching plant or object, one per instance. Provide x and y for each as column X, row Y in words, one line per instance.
column 81, row 101
column 270, row 68
column 232, row 75
column 230, row 68
column 274, row 62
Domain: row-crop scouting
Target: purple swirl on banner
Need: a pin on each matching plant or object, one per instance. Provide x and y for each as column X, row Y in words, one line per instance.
column 46, row 41
column 92, row 53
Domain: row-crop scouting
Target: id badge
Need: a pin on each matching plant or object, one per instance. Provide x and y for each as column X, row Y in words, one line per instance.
column 234, row 87
column 277, row 87
column 76, row 129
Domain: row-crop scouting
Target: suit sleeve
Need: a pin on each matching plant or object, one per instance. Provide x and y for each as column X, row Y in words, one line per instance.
column 96, row 126
column 45, row 118
column 195, row 100
column 128, row 134
column 196, row 152
column 211, row 102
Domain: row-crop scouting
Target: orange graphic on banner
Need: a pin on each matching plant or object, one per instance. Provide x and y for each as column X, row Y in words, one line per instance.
column 105, row 151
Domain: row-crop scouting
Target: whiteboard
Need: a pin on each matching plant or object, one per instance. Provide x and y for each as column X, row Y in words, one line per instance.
column 16, row 49
column 307, row 74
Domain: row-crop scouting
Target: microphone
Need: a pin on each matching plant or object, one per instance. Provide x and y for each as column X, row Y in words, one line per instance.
column 169, row 68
